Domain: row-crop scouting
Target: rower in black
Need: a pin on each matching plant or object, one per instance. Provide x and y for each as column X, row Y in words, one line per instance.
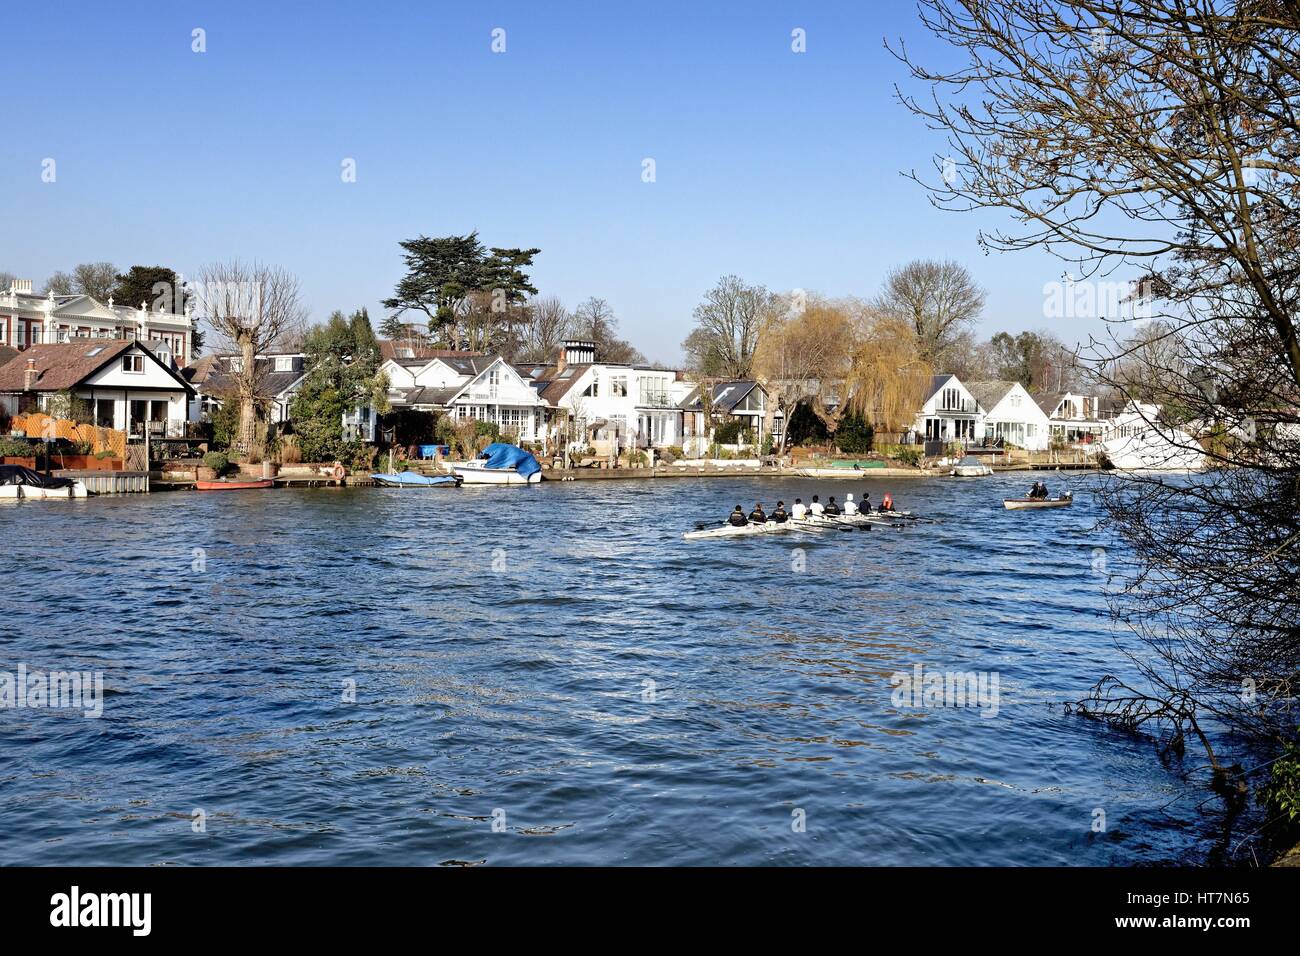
column 757, row 516
column 832, row 508
column 779, row 515
column 737, row 518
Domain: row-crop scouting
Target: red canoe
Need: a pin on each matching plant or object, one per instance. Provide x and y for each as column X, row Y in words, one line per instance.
column 233, row 485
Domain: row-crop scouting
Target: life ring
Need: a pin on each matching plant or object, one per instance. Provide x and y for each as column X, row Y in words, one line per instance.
column 338, row 471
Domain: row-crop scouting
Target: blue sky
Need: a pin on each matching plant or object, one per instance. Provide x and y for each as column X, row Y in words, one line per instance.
column 783, row 168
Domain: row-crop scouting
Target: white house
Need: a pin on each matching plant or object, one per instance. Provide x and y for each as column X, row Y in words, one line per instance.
column 742, row 400
column 624, row 406
column 462, row 385
column 1137, row 440
column 1011, row 414
column 28, row 319
column 128, row 386
column 1074, row 417
column 279, row 375
column 950, row 412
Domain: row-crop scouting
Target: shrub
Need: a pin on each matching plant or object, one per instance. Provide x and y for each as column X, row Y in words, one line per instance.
column 106, row 453
column 730, row 432
column 854, row 436
column 15, row 448
column 638, row 458
column 217, row 461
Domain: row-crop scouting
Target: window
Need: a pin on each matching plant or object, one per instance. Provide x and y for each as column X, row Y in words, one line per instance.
column 133, row 363
column 618, row 386
column 284, row 363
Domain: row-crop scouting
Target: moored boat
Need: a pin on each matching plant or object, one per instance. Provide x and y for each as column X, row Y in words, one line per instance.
column 233, row 485
column 971, row 467
column 413, row 479
column 499, row 464
column 17, row 481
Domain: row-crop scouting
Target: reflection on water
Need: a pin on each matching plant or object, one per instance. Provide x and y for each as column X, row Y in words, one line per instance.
column 549, row 674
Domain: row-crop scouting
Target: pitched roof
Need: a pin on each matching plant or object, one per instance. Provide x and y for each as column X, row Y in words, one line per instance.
column 937, row 382
column 60, row 365
column 429, row 395
column 1048, row 401
column 726, row 395
column 214, row 376
column 388, row 349
column 989, row 393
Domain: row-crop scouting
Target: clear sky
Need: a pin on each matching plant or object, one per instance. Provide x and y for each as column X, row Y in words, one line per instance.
column 781, row 167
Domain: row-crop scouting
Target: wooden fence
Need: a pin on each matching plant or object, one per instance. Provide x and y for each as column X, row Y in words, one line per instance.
column 40, row 425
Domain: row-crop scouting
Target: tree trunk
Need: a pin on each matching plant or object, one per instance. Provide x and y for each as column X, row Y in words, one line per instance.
column 247, row 405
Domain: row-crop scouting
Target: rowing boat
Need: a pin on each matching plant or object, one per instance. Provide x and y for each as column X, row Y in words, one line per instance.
column 221, row 485
column 1020, row 504
column 752, row 529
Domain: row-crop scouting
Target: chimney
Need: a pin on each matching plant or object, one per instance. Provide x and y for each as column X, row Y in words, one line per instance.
column 579, row 352
column 559, row 359
column 21, row 285
column 30, row 375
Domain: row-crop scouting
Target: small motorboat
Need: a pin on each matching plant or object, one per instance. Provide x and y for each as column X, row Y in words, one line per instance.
column 971, row 467
column 17, row 481
column 233, row 485
column 1018, row 504
column 499, row 464
column 413, row 479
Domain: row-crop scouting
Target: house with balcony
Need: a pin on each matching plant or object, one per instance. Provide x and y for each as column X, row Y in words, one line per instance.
column 1073, row 417
column 613, row 407
column 950, row 413
column 745, row 401
column 28, row 319
column 126, row 384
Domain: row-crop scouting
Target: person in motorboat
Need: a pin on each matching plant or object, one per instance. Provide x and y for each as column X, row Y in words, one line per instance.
column 757, row 516
column 780, row 516
column 887, row 502
column 850, row 506
column 832, row 509
column 737, row 518
column 799, row 511
column 1038, row 491
column 816, row 508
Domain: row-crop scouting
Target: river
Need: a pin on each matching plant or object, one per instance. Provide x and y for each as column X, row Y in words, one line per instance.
column 550, row 674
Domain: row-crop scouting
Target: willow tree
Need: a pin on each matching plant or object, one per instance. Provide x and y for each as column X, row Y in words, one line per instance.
column 251, row 308
column 888, row 376
column 1156, row 142
column 801, row 353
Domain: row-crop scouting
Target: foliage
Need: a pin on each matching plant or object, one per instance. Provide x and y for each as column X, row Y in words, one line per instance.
column 217, row 461
column 158, row 287
column 225, row 424
column 342, row 375
column 938, row 300
column 854, row 436
column 1282, row 792
column 889, row 377
column 726, row 331
column 1037, row 360
column 470, row 294
column 905, row 454
column 732, row 431
column 16, row 448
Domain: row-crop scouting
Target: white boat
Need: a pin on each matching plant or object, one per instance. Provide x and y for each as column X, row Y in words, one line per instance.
column 1020, row 504
column 499, row 464
column 18, row 482
column 971, row 467
column 751, row 530
column 1154, row 451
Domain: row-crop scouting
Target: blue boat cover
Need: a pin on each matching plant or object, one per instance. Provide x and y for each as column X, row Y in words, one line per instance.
column 502, row 455
column 413, row 478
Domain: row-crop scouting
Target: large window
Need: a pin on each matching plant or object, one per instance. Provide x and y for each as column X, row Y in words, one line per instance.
column 133, row 363
column 618, row 386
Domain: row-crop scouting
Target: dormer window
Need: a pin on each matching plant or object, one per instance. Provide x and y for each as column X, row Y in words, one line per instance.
column 284, row 363
column 133, row 363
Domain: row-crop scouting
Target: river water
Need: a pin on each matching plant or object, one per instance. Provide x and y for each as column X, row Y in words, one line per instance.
column 550, row 674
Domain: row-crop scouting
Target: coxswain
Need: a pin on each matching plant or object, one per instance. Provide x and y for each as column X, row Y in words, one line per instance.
column 757, row 516
column 887, row 502
column 738, row 518
column 816, row 508
column 799, row 511
column 832, row 508
column 780, row 515
column 850, row 506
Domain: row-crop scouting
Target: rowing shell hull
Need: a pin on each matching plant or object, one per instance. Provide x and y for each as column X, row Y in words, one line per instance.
column 752, row 530
column 1023, row 504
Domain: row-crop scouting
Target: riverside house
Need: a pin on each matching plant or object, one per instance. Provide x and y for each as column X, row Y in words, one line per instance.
column 745, row 401
column 128, row 386
column 278, row 378
column 1011, row 414
column 28, row 319
column 950, row 412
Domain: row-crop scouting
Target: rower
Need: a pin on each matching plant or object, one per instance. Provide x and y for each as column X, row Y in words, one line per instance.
column 779, row 515
column 850, row 506
column 737, row 518
column 757, row 516
column 817, row 509
column 832, row 508
column 865, row 507
column 887, row 502
column 800, row 510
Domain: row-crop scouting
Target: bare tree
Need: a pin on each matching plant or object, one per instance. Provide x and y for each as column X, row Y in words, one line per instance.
column 939, row 299
column 595, row 320
column 251, row 308
column 59, row 283
column 727, row 325
column 95, row 279
column 547, row 325
column 1158, row 140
